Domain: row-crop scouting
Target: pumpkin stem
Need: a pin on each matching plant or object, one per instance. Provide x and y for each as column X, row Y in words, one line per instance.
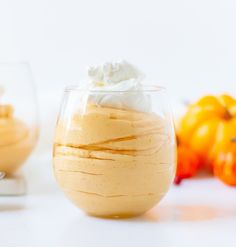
column 177, row 140
column 227, row 114
column 233, row 140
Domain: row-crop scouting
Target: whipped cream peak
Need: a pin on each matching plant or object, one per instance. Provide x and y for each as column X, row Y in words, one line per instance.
column 114, row 73
column 118, row 85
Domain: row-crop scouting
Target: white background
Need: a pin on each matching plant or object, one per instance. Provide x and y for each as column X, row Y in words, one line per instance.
column 188, row 46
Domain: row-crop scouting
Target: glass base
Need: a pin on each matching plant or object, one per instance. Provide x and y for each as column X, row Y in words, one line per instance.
column 116, row 216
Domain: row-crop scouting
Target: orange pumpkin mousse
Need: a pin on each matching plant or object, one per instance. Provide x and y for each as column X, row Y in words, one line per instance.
column 112, row 162
column 16, row 140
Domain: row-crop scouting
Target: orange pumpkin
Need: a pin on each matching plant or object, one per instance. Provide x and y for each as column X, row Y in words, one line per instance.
column 208, row 125
column 225, row 165
column 188, row 163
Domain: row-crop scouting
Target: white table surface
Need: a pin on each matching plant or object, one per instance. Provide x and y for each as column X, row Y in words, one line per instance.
column 200, row 212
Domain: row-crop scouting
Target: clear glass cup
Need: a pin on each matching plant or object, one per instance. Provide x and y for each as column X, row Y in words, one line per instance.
column 18, row 116
column 114, row 162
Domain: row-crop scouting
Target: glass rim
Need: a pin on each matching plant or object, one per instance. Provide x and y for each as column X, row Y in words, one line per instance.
column 145, row 88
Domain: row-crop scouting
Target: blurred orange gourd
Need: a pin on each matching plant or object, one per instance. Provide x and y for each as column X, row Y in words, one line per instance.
column 187, row 163
column 225, row 165
column 208, row 126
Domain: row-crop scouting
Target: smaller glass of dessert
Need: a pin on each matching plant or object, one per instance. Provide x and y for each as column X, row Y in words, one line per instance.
column 114, row 150
column 18, row 116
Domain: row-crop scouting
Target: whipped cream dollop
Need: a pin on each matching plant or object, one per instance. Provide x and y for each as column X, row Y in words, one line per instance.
column 118, row 85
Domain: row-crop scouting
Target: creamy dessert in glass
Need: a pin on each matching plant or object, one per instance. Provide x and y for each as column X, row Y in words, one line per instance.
column 18, row 116
column 16, row 142
column 114, row 150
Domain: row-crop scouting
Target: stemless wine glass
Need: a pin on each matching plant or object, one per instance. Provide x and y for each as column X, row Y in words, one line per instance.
column 112, row 161
column 18, row 115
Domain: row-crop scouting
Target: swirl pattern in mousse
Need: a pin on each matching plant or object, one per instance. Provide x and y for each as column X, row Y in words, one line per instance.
column 113, row 161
